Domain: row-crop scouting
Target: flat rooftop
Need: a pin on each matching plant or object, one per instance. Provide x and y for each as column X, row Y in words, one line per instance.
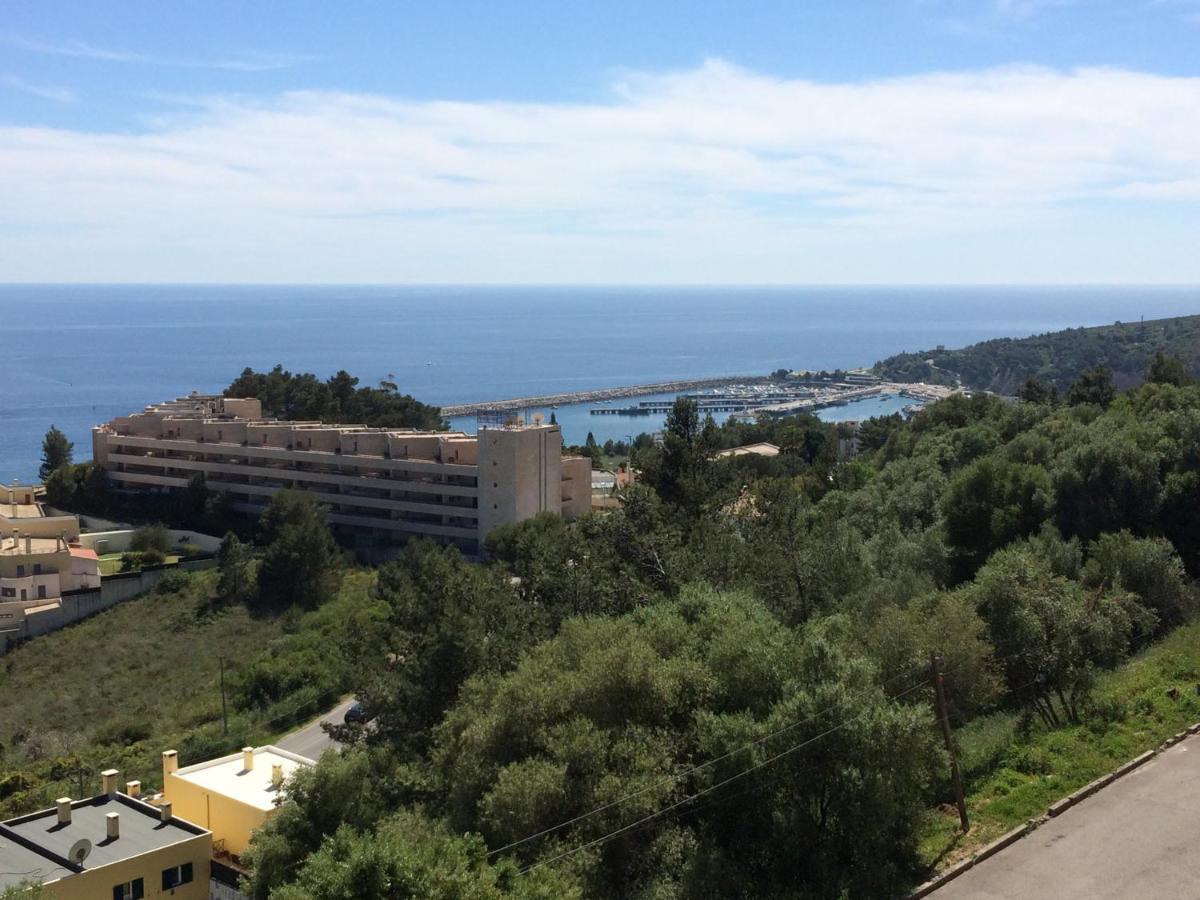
column 18, row 863
column 20, row 511
column 228, row 777
column 36, row 545
column 38, row 845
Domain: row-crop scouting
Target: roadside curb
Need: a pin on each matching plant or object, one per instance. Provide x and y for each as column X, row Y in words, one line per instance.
column 1055, row 809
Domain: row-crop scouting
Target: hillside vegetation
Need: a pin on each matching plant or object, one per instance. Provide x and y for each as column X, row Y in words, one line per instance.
column 721, row 689
column 122, row 686
column 1057, row 358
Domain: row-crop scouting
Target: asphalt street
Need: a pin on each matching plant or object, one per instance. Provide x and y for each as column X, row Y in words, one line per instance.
column 1137, row 838
column 311, row 740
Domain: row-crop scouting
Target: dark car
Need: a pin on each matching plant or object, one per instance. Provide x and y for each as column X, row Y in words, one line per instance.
column 357, row 714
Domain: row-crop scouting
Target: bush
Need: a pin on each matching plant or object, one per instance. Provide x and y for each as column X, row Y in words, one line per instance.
column 122, row 731
column 150, row 538
column 984, row 742
column 173, row 583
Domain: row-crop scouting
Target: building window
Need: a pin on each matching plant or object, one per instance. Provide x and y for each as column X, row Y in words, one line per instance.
column 176, row 875
column 37, row 568
column 130, row 890
column 20, row 571
column 41, row 592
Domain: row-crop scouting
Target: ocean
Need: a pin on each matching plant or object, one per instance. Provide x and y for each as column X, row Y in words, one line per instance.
column 74, row 356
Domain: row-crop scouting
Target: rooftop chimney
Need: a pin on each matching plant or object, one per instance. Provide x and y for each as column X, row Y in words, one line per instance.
column 247, row 759
column 113, row 821
column 276, row 776
column 164, row 811
column 64, row 810
column 28, row 543
column 170, row 765
column 133, row 789
column 108, row 781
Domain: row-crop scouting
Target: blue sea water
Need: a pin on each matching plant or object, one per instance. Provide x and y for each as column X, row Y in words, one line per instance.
column 74, row 356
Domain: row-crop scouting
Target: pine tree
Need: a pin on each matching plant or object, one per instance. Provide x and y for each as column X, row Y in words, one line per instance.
column 56, row 452
column 236, row 561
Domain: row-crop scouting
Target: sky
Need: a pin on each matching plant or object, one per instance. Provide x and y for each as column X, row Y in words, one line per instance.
column 823, row 141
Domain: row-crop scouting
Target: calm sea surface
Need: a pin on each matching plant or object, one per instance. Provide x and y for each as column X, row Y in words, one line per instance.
column 75, row 356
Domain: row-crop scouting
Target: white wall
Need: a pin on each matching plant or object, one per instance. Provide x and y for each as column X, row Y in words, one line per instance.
column 118, row 541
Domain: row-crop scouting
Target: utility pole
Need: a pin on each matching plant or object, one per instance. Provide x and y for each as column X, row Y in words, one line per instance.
column 224, row 717
column 935, row 670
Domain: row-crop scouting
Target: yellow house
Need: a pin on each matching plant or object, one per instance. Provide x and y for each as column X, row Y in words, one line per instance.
column 231, row 796
column 111, row 845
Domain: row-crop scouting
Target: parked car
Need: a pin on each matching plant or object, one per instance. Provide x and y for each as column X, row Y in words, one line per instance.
column 357, row 714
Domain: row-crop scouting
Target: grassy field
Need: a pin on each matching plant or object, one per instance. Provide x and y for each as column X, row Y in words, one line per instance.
column 1012, row 777
column 110, row 563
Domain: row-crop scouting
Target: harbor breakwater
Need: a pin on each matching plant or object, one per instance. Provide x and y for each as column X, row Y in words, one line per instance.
column 612, row 393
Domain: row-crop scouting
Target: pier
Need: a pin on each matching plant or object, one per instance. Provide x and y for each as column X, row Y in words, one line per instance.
column 602, row 394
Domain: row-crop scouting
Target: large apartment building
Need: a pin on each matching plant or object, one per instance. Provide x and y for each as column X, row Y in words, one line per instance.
column 381, row 485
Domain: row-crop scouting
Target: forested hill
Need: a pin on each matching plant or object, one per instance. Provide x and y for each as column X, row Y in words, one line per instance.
column 1057, row 358
column 304, row 397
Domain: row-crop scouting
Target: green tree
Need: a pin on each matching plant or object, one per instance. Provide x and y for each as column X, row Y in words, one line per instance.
column 990, row 503
column 602, row 714
column 56, row 452
column 195, row 501
column 1167, row 370
column 1094, row 386
column 1106, row 483
column 409, row 857
column 1150, row 568
column 1034, row 391
column 235, row 560
column 154, row 538
column 1051, row 634
column 302, row 564
column 446, row 619
column 342, row 789
column 681, row 471
column 902, row 640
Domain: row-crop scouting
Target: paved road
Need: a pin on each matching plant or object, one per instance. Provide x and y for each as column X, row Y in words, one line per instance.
column 1136, row 838
column 311, row 740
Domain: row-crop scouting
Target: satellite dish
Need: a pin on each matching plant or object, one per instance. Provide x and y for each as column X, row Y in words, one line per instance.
column 79, row 851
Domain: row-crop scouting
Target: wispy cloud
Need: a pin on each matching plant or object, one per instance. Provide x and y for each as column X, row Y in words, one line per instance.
column 710, row 172
column 257, row 62
column 45, row 91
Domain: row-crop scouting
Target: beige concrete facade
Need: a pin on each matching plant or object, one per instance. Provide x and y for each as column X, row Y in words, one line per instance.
column 380, row 485
column 40, row 559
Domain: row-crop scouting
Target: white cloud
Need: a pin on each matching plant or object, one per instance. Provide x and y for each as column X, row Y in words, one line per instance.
column 258, row 62
column 45, row 91
column 711, row 173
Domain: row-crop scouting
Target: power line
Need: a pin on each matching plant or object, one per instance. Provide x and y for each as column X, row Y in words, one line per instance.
column 612, row 834
column 694, row 769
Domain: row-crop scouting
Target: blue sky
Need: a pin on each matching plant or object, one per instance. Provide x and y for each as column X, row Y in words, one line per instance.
column 912, row 141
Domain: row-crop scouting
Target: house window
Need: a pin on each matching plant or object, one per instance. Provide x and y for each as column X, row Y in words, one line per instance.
column 37, row 568
column 176, row 875
column 130, row 890
column 41, row 592
column 20, row 571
